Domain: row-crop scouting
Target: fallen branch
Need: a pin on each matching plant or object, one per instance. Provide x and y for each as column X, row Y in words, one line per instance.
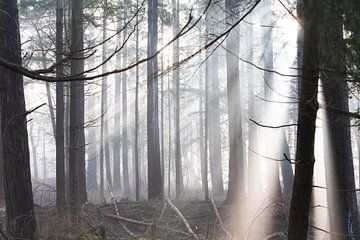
column 124, row 219
column 187, row 225
column 133, row 235
column 219, row 219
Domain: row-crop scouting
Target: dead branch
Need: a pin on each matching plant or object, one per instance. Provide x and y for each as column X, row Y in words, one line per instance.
column 219, row 219
column 177, row 211
column 133, row 235
column 124, row 219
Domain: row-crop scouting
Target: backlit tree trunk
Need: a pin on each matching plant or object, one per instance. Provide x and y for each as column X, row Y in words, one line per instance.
column 302, row 190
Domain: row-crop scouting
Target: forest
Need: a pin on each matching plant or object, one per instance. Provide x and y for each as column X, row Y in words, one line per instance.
column 180, row 119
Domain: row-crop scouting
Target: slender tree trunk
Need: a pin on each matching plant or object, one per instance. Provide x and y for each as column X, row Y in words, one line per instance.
column 20, row 219
column 125, row 125
column 136, row 145
column 170, row 136
column 104, row 104
column 342, row 205
column 302, row 189
column 59, row 128
column 176, row 85
column 77, row 178
column 155, row 186
column 117, row 121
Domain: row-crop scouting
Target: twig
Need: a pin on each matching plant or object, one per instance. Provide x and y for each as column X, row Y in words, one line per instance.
column 177, row 211
column 219, row 218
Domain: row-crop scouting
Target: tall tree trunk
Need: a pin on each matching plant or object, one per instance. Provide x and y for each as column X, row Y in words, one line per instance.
column 125, row 140
column 136, row 145
column 236, row 189
column 59, row 128
column 20, row 219
column 170, row 137
column 254, row 183
column 117, row 121
column 302, row 189
column 104, row 104
column 176, row 85
column 155, row 186
column 342, row 205
column 273, row 180
column 213, row 111
column 77, row 178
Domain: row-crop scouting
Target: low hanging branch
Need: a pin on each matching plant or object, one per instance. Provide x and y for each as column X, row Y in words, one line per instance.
column 187, row 225
column 267, row 126
column 219, row 219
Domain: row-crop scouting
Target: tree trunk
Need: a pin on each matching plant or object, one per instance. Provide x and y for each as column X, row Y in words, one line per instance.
column 59, row 128
column 155, row 186
column 236, row 189
column 273, row 180
column 77, row 178
column 136, row 145
column 214, row 113
column 125, row 140
column 20, row 219
column 342, row 205
column 302, row 189
column 104, row 105
column 117, row 122
column 176, row 85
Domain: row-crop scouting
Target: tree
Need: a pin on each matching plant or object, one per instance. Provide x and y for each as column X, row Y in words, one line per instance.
column 125, row 140
column 214, row 135
column 342, row 205
column 302, row 189
column 176, row 84
column 236, row 189
column 20, row 218
column 104, row 139
column 136, row 134
column 59, row 128
column 77, row 179
column 117, row 121
column 155, row 186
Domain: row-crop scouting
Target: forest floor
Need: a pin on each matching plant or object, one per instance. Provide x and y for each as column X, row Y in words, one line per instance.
column 145, row 220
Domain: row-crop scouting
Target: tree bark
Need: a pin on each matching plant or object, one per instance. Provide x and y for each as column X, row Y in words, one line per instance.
column 302, row 189
column 20, row 219
column 77, row 178
column 155, row 186
column 59, row 128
